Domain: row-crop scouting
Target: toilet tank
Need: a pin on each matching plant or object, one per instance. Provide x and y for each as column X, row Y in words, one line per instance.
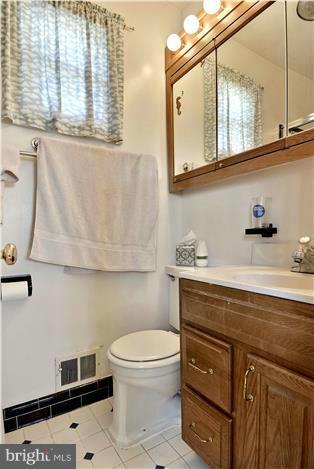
column 174, row 273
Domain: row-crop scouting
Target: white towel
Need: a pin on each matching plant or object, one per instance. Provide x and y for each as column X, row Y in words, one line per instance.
column 10, row 163
column 10, row 168
column 96, row 208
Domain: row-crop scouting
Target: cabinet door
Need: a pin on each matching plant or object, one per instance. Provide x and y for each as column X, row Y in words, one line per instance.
column 274, row 416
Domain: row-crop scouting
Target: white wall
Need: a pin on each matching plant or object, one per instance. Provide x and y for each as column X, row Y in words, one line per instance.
column 70, row 313
column 220, row 213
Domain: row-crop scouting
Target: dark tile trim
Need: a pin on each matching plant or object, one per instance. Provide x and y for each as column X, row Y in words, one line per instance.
column 21, row 409
column 43, row 408
column 84, row 389
column 95, row 396
column 32, row 417
column 105, row 382
column 10, row 425
column 66, row 406
column 54, row 398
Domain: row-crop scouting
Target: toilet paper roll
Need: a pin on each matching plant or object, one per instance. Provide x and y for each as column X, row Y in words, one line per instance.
column 14, row 291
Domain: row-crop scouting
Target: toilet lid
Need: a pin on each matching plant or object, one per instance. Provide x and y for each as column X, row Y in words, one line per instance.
column 146, row 346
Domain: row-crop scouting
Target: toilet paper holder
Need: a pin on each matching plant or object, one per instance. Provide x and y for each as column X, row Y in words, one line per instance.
column 20, row 278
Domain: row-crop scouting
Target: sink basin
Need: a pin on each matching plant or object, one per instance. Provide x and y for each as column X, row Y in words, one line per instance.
column 291, row 281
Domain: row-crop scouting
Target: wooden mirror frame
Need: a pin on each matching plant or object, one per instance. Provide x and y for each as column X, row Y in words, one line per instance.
column 234, row 16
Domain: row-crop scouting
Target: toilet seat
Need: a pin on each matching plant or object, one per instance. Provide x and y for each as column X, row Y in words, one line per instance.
column 146, row 349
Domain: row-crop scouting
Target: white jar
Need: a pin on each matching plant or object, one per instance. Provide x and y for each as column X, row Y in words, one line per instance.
column 201, row 259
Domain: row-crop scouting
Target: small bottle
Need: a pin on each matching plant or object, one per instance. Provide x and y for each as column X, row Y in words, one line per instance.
column 201, row 259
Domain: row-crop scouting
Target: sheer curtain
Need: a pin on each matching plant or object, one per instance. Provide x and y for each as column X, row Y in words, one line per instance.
column 63, row 67
column 239, row 111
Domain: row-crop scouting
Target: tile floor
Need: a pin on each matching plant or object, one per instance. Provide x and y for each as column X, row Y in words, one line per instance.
column 87, row 429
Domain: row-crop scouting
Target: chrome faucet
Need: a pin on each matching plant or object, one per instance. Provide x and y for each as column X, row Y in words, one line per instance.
column 304, row 256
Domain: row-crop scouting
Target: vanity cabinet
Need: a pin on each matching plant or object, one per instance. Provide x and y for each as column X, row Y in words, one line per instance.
column 247, row 371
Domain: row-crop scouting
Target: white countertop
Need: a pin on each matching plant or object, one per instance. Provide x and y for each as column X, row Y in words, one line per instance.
column 271, row 281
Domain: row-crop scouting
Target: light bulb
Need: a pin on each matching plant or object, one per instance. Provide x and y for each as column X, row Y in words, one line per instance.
column 211, row 6
column 173, row 42
column 191, row 24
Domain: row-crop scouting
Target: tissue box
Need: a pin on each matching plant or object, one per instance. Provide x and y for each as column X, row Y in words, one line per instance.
column 185, row 255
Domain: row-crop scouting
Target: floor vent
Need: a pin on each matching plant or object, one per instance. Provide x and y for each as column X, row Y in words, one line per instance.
column 77, row 369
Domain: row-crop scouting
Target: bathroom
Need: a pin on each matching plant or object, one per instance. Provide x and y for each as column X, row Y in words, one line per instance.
column 75, row 312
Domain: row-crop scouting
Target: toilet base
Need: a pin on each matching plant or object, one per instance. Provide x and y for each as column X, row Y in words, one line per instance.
column 169, row 418
column 145, row 398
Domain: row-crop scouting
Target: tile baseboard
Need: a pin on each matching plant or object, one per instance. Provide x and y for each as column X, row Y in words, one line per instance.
column 46, row 407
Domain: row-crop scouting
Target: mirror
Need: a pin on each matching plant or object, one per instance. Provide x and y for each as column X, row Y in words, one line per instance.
column 251, row 84
column 240, row 95
column 246, row 109
column 300, row 25
column 194, row 119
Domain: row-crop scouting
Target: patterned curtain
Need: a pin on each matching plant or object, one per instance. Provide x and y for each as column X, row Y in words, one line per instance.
column 239, row 112
column 209, row 74
column 63, row 67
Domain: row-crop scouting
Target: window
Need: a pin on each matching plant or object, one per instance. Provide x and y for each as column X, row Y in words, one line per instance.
column 62, row 67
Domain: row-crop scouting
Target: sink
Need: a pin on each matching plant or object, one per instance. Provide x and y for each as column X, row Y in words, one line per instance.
column 291, row 281
column 266, row 280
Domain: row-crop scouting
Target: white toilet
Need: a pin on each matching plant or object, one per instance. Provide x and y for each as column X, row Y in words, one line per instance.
column 146, row 380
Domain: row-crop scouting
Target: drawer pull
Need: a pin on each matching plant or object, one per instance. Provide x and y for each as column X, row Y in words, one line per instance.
column 192, row 362
column 192, row 426
column 248, row 397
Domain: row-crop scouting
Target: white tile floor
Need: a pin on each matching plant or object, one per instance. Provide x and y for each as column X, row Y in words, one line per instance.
column 91, row 436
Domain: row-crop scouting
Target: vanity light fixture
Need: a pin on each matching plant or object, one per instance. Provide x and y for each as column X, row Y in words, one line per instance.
column 174, row 42
column 191, row 24
column 211, row 6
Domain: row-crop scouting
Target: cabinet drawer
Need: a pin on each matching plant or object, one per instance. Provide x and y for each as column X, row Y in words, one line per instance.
column 206, row 431
column 206, row 366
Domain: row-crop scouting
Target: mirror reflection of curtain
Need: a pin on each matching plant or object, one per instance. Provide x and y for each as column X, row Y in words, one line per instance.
column 239, row 112
column 209, row 74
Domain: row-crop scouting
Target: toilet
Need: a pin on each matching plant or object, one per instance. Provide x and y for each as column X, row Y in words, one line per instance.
column 146, row 381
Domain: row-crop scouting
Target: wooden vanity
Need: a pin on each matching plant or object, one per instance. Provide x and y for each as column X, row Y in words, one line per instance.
column 247, row 373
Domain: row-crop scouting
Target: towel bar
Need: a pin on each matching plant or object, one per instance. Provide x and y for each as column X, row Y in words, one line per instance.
column 31, row 154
